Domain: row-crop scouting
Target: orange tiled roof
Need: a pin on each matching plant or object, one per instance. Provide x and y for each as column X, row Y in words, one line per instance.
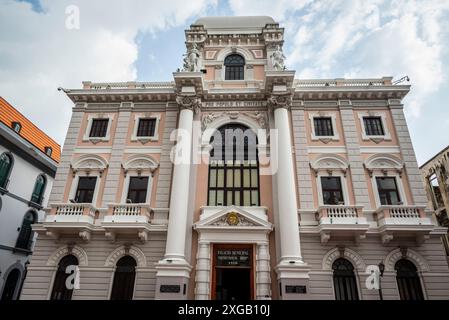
column 29, row 131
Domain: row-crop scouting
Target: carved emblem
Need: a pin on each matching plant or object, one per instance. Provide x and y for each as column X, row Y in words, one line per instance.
column 232, row 218
column 280, row 101
column 189, row 102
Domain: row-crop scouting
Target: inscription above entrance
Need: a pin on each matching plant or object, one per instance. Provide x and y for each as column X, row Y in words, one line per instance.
column 233, row 257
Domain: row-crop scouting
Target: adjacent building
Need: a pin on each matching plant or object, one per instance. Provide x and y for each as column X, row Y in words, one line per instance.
column 28, row 161
column 238, row 181
column 436, row 176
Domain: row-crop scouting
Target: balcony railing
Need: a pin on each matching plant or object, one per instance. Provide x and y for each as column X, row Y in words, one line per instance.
column 339, row 212
column 71, row 212
column 400, row 212
column 135, row 212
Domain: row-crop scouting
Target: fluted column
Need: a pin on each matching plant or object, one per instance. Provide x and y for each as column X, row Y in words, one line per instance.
column 203, row 268
column 263, row 279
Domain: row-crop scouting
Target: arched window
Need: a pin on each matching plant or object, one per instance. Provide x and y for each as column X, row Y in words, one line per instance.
column 124, row 277
column 234, row 65
column 6, row 163
column 234, row 167
column 345, row 284
column 39, row 189
column 25, row 238
column 407, row 277
column 10, row 286
column 60, row 290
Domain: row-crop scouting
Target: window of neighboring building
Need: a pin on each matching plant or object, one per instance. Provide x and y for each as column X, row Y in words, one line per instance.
column 137, row 191
column 146, row 127
column 48, row 151
column 10, row 286
column 16, row 126
column 388, row 191
column 6, row 163
column 345, row 285
column 39, row 189
column 86, row 188
column 60, row 290
column 124, row 278
column 323, row 126
column 373, row 126
column 407, row 277
column 234, row 167
column 99, row 128
column 437, row 198
column 332, row 190
column 235, row 65
column 25, row 239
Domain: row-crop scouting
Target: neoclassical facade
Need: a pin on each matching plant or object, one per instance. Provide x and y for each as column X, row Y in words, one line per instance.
column 238, row 181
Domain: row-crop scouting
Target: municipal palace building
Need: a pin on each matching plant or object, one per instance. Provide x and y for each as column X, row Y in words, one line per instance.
column 238, row 181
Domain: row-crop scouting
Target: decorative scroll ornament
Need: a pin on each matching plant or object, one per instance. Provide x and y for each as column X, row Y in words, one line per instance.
column 280, row 101
column 191, row 59
column 189, row 102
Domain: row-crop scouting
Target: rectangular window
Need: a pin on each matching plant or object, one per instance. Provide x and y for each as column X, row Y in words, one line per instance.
column 99, row 128
column 137, row 191
column 332, row 191
column 373, row 126
column 323, row 126
column 388, row 191
column 146, row 127
column 85, row 190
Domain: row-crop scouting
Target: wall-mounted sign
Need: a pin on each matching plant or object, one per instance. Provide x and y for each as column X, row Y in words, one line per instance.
column 233, row 257
column 234, row 104
column 169, row 288
column 295, row 289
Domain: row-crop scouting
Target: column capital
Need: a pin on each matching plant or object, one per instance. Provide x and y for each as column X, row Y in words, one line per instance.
column 189, row 101
column 280, row 100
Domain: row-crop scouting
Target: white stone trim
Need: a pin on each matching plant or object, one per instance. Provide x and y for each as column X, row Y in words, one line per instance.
column 324, row 114
column 382, row 149
column 140, row 116
column 383, row 117
column 61, row 252
column 326, row 149
column 398, row 183
column 90, row 118
column 333, row 254
column 344, row 186
column 121, row 251
column 395, row 255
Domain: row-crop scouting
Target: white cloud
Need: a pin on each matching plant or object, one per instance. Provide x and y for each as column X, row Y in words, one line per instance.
column 38, row 54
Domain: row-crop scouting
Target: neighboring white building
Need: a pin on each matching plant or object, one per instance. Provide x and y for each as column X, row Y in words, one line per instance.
column 28, row 160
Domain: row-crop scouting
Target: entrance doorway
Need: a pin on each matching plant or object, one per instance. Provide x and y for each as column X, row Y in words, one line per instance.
column 233, row 276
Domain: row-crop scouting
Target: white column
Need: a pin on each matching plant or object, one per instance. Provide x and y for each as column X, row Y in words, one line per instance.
column 179, row 199
column 203, row 268
column 263, row 279
column 287, row 206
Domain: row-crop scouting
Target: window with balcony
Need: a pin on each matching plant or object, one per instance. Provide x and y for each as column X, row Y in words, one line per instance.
column 388, row 191
column 99, row 128
column 373, row 126
column 235, row 65
column 407, row 277
column 437, row 198
column 124, row 278
column 6, row 163
column 25, row 239
column 323, row 126
column 345, row 285
column 85, row 190
column 332, row 191
column 137, row 190
column 234, row 167
column 146, row 127
column 60, row 290
column 39, row 189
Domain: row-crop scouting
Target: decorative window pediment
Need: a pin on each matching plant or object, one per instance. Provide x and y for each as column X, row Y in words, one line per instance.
column 383, row 163
column 89, row 163
column 140, row 163
column 329, row 163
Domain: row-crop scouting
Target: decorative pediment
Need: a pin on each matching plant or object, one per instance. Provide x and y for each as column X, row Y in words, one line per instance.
column 89, row 163
column 233, row 218
column 329, row 163
column 140, row 163
column 383, row 162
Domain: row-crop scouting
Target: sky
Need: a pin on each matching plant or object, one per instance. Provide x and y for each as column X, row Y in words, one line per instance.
column 43, row 48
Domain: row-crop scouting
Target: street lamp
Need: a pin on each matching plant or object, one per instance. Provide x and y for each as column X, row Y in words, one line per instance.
column 381, row 273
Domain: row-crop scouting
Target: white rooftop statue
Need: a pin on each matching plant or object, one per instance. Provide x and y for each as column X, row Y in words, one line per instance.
column 242, row 22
